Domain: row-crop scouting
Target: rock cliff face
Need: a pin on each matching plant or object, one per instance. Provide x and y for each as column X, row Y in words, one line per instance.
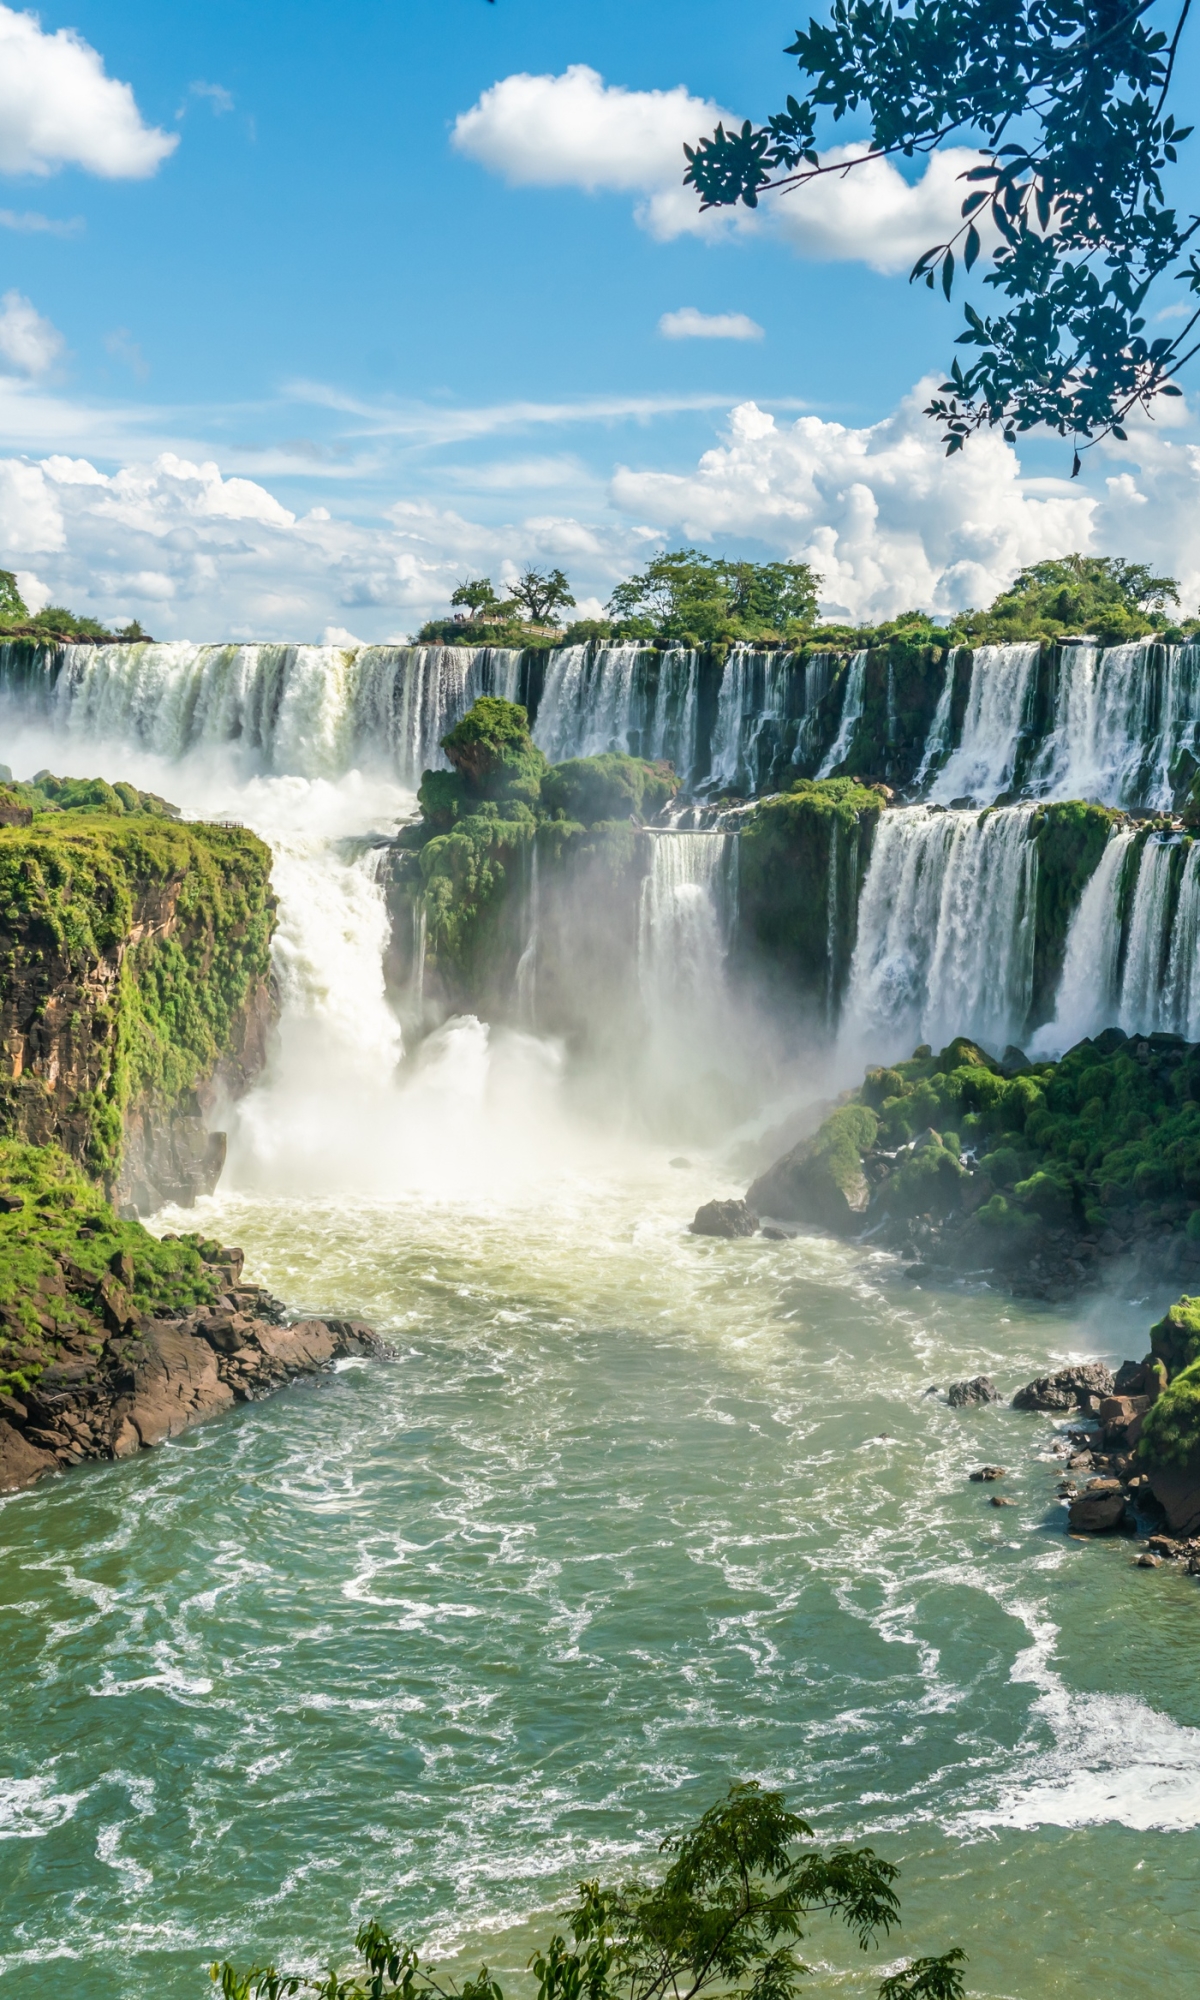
column 135, row 991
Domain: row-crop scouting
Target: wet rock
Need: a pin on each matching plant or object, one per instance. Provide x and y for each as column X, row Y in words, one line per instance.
column 986, row 1472
column 1147, row 1561
column 1066, row 1388
column 1177, row 1490
column 998, row 1500
column 1100, row 1507
column 968, row 1395
column 822, row 1180
column 21, row 1461
column 724, row 1218
column 776, row 1235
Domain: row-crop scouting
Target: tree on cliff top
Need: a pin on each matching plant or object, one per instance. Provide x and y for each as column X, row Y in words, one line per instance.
column 493, row 757
column 540, row 593
column 689, row 598
column 1068, row 98
column 1104, row 595
column 726, row 1916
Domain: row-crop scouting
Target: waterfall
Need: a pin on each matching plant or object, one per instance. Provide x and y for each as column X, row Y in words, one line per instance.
column 632, row 699
column 527, row 963
column 937, row 743
column 1147, row 944
column 1121, row 717
column 1181, row 1006
column 852, row 708
column 686, row 910
column 945, row 931
column 314, row 711
column 831, row 917
column 1087, row 989
column 981, row 766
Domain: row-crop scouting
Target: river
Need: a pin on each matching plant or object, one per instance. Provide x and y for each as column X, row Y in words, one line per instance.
column 632, row 1514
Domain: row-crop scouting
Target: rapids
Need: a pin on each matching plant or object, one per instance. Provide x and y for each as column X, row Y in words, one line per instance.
column 632, row 1514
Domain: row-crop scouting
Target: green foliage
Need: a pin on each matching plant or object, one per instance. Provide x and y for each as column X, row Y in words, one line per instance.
column 1114, row 1126
column 478, row 598
column 592, row 789
column 494, row 754
column 726, row 1916
column 46, row 792
column 541, row 594
column 13, row 608
column 687, row 598
column 1175, row 1338
column 51, row 1215
column 1106, row 596
column 1069, row 99
column 1171, row 1431
column 69, row 888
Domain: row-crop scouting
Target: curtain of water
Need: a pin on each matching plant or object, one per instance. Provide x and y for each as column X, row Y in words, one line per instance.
column 852, row 708
column 1182, row 1004
column 945, row 931
column 527, row 963
column 937, row 743
column 1121, row 718
column 981, row 764
column 626, row 698
column 1087, row 998
column 310, row 710
column 684, row 919
column 1146, row 948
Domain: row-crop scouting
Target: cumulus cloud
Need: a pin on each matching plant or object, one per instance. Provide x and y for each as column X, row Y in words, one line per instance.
column 59, row 108
column 881, row 512
column 28, row 343
column 689, row 324
column 575, row 130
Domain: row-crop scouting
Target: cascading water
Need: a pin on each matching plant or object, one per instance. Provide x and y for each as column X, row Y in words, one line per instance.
column 1182, row 1000
column 852, row 708
column 631, row 699
column 1087, row 997
column 937, row 743
column 1147, row 943
column 982, row 763
column 1121, row 718
column 315, row 711
column 945, row 932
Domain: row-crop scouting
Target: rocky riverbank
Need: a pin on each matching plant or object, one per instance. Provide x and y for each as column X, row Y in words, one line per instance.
column 1040, row 1175
column 113, row 1340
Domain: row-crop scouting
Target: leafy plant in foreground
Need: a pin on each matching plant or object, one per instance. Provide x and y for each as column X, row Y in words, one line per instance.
column 1069, row 99
column 726, row 1915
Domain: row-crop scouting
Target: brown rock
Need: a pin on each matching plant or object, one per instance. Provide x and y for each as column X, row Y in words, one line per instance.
column 175, row 1384
column 20, row 1462
column 1177, row 1491
column 990, row 1472
column 1066, row 1388
column 724, row 1218
column 965, row 1395
column 1099, row 1507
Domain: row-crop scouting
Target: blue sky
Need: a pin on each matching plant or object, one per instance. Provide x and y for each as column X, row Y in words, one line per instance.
column 424, row 352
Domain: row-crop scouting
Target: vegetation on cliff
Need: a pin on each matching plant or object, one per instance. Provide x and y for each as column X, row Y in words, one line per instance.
column 1109, row 1136
column 800, row 864
column 131, row 947
column 53, row 623
column 732, row 1906
column 67, row 1261
column 474, row 842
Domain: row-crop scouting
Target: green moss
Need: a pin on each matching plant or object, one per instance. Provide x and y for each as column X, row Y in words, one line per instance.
column 592, row 789
column 800, row 863
column 1171, row 1432
column 1070, row 838
column 1175, row 1338
column 74, row 887
column 52, row 1220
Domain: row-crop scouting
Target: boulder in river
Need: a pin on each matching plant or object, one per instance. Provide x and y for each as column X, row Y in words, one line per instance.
column 1086, row 1384
column 1098, row 1508
column 967, row 1395
column 724, row 1218
column 822, row 1179
column 989, row 1472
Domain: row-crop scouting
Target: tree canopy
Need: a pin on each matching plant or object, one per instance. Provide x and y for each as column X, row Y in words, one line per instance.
column 693, row 599
column 1067, row 101
column 725, row 1917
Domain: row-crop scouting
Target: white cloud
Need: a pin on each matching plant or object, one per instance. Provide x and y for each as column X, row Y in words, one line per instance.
column 28, row 343
column 575, row 130
column 58, row 108
column 689, row 324
column 888, row 520
column 216, row 94
column 29, row 222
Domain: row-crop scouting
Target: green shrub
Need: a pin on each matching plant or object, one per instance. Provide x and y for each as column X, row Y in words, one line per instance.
column 592, row 789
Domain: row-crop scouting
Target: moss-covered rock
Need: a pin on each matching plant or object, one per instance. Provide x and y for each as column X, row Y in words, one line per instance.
column 1070, row 838
column 800, row 866
column 134, row 977
column 591, row 790
column 70, row 1269
column 821, row 1181
column 1175, row 1338
column 1170, row 1436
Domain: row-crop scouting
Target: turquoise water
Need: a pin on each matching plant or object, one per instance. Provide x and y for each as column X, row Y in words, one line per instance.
column 431, row 1639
